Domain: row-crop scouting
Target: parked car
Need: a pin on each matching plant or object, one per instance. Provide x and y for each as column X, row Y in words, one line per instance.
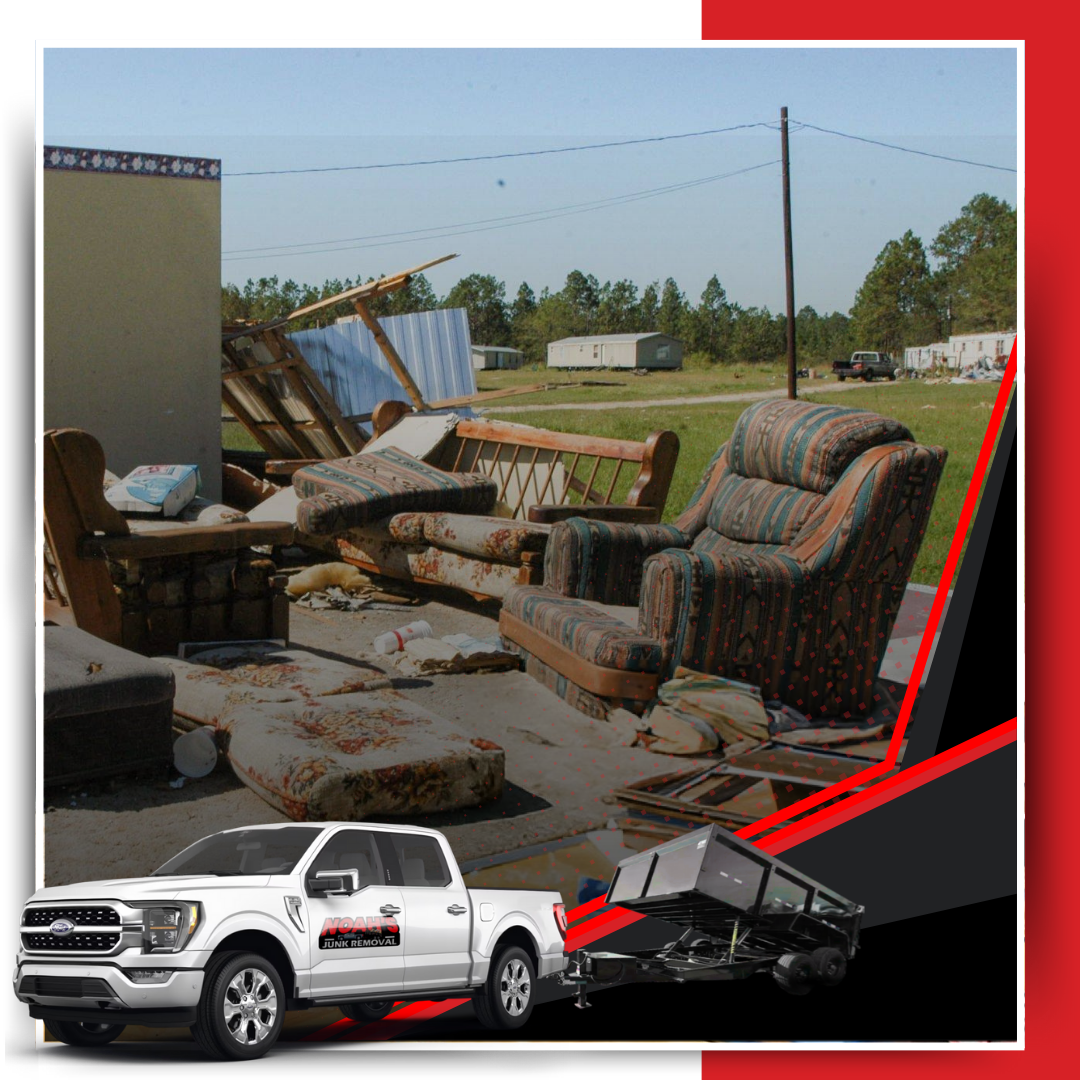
column 248, row 923
column 865, row 365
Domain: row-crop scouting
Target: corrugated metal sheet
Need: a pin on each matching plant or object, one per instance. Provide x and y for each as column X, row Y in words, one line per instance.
column 434, row 346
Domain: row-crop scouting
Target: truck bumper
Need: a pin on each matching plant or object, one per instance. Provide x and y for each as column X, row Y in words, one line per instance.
column 551, row 964
column 106, row 993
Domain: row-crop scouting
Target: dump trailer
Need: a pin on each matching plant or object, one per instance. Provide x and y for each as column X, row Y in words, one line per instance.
column 741, row 912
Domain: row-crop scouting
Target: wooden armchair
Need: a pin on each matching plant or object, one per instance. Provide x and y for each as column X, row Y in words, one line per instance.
column 149, row 590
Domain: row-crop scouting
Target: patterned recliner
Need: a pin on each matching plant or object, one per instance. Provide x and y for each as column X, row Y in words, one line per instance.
column 785, row 570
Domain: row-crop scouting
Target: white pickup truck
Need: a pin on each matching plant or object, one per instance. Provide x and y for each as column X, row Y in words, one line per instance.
column 248, row 923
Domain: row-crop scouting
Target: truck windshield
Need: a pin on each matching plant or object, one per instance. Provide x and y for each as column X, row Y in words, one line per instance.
column 244, row 851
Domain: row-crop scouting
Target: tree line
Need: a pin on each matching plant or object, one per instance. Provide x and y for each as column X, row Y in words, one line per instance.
column 904, row 300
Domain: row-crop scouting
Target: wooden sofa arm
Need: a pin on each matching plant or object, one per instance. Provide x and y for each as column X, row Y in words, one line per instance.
column 185, row 540
column 635, row 515
column 289, row 466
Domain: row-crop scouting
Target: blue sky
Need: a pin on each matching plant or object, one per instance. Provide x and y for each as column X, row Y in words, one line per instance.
column 287, row 109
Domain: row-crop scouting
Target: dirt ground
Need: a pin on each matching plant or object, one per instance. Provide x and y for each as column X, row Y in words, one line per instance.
column 129, row 826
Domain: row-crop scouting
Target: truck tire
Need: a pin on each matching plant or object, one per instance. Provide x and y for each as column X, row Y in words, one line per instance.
column 841, row 377
column 794, row 973
column 830, row 966
column 242, row 1007
column 892, row 376
column 868, row 377
column 75, row 1033
column 366, row 1011
column 508, row 996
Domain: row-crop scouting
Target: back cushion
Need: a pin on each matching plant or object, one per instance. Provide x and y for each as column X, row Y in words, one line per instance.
column 803, row 445
column 759, row 511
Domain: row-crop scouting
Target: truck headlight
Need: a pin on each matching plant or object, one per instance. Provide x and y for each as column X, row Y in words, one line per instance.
column 168, row 927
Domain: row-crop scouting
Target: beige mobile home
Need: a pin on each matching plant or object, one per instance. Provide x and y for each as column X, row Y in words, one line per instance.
column 617, row 351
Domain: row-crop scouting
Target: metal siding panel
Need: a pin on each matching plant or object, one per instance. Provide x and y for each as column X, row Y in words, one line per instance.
column 434, row 346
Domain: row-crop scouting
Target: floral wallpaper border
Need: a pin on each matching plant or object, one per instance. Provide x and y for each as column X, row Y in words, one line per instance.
column 72, row 159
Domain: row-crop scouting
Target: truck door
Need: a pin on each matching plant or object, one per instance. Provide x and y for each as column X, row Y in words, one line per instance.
column 437, row 907
column 356, row 934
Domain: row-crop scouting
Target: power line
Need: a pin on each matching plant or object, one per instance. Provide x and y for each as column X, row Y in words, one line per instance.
column 509, row 221
column 499, row 157
column 907, row 149
column 597, row 203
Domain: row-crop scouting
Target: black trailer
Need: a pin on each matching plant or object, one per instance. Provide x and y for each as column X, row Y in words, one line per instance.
column 743, row 912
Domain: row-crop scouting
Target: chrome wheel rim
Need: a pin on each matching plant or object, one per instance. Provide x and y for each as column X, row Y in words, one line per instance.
column 515, row 988
column 250, row 1007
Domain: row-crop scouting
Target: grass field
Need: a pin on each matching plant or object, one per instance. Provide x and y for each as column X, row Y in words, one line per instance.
column 697, row 382
column 951, row 416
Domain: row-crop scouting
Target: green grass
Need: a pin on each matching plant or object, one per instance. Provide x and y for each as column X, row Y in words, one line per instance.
column 696, row 382
column 957, row 421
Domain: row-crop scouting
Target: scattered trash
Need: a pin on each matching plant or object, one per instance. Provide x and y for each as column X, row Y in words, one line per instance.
column 177, row 783
column 454, row 654
column 155, row 489
column 929, row 406
column 394, row 640
column 321, row 576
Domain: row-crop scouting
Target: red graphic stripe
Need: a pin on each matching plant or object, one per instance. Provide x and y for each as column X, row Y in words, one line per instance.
column 887, row 790
column 585, row 909
column 955, row 548
column 399, row 1022
column 601, row 926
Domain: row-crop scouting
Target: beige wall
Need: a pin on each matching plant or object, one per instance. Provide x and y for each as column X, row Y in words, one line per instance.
column 132, row 305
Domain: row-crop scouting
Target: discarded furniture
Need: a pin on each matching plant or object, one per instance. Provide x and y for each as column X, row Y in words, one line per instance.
column 786, row 570
column 537, row 478
column 323, row 740
column 107, row 711
column 149, row 585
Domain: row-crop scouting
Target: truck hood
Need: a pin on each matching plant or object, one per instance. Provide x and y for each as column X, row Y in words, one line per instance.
column 165, row 888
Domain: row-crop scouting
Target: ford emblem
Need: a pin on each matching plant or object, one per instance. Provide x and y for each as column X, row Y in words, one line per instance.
column 61, row 927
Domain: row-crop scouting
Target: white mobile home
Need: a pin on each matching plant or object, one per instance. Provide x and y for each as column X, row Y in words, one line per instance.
column 618, row 351
column 961, row 350
column 496, row 358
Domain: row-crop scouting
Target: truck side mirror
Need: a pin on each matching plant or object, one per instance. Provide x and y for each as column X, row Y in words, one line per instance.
column 329, row 882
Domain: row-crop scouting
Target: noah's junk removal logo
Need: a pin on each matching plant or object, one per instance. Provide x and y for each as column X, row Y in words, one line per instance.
column 360, row 933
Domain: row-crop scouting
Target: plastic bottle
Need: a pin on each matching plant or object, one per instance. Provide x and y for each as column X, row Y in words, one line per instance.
column 394, row 640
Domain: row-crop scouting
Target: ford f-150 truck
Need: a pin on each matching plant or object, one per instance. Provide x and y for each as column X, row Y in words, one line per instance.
column 248, row 923
column 865, row 365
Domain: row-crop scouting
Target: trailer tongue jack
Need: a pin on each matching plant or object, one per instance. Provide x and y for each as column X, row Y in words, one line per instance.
column 740, row 911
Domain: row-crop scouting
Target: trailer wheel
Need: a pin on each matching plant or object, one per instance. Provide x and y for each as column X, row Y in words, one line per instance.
column 366, row 1011
column 75, row 1033
column 830, row 966
column 507, row 1000
column 794, row 973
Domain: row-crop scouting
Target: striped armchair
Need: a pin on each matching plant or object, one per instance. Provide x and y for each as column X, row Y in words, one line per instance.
column 786, row 570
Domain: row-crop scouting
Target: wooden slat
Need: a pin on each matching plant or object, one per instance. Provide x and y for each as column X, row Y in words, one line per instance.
column 569, row 479
column 588, row 490
column 614, row 478
column 525, row 486
column 499, row 431
column 187, row 540
column 370, row 288
column 488, row 395
column 509, row 473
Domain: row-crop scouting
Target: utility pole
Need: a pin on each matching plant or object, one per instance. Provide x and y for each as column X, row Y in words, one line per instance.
column 789, row 270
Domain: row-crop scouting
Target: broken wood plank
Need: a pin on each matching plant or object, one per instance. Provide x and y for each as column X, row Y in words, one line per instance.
column 397, row 365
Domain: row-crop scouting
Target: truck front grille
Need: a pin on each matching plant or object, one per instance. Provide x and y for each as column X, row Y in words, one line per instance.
column 71, row 942
column 80, row 916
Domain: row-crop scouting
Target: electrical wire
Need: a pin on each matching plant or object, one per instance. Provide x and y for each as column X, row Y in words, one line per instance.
column 509, row 221
column 906, row 149
column 499, row 157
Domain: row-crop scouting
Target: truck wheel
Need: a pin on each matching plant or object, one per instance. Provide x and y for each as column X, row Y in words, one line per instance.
column 507, row 1000
column 76, row 1034
column 366, row 1011
column 892, row 376
column 242, row 1008
column 794, row 973
column 830, row 966
column 841, row 377
column 869, row 377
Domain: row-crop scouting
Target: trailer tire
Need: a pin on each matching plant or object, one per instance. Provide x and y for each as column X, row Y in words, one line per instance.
column 509, row 994
column 76, row 1033
column 830, row 966
column 366, row 1011
column 794, row 973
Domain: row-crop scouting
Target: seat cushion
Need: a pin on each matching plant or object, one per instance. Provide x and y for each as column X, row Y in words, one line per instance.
column 759, row 511
column 803, row 444
column 495, row 538
column 352, row 492
column 579, row 626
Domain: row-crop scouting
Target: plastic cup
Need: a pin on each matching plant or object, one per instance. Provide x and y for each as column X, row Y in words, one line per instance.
column 195, row 753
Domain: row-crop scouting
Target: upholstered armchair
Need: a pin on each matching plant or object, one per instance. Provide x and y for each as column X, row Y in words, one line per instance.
column 785, row 570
